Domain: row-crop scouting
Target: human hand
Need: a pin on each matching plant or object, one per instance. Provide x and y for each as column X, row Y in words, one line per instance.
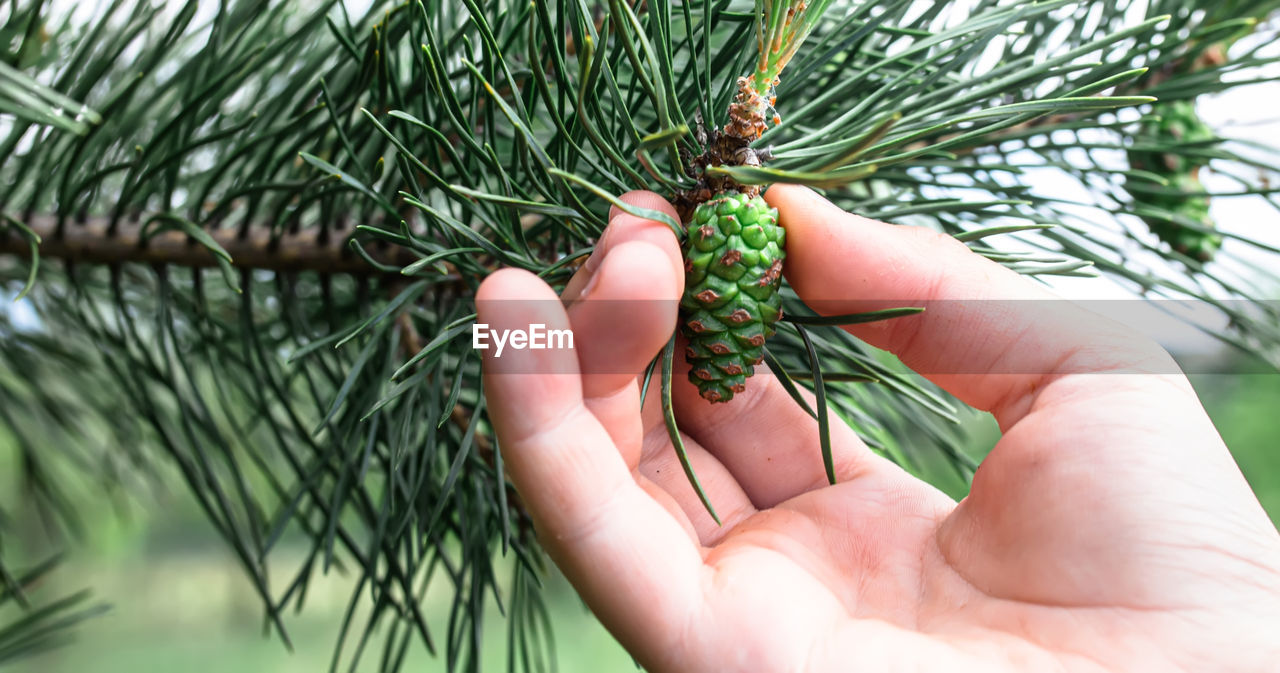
column 1109, row 529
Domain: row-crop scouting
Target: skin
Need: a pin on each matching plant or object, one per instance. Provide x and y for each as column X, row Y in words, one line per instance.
column 1108, row 530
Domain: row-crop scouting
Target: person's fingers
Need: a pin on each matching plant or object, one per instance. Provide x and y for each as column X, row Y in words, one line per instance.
column 767, row 441
column 624, row 228
column 511, row 301
column 629, row 558
column 620, row 322
column 661, row 466
column 643, row 198
column 764, row 439
column 988, row 335
column 628, row 316
column 669, row 503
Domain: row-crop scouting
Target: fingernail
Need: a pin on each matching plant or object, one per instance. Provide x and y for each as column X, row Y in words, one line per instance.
column 602, row 246
column 591, row 283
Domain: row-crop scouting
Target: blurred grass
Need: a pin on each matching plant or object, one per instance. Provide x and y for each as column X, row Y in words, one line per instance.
column 192, row 611
column 181, row 604
column 1246, row 410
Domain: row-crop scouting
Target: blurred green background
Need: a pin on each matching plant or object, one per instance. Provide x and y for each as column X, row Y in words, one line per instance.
column 180, row 603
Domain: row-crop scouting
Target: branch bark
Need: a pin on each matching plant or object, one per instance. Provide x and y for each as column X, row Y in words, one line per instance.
column 92, row 242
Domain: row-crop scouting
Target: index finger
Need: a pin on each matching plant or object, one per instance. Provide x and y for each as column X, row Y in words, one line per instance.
column 628, row 556
column 988, row 335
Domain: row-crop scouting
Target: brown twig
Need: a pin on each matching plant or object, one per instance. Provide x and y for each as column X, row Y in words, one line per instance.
column 93, row 242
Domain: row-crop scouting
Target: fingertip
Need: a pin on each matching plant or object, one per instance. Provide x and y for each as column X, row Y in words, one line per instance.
column 637, row 267
column 627, row 315
column 507, row 284
column 625, row 227
column 800, row 203
column 814, row 220
column 622, row 320
column 643, row 198
column 515, row 302
column 782, row 194
column 628, row 228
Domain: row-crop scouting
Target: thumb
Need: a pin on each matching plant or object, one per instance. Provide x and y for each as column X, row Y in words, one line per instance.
column 988, row 335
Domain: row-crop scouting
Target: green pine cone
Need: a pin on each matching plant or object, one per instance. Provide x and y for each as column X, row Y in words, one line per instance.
column 1178, row 123
column 733, row 267
column 1195, row 243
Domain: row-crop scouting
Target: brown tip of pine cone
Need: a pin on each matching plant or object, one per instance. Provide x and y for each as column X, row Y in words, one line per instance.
column 771, row 276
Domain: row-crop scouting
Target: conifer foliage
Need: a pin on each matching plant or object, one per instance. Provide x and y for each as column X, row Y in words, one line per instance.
column 246, row 237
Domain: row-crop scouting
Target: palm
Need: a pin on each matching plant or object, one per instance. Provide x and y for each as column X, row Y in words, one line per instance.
column 887, row 549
